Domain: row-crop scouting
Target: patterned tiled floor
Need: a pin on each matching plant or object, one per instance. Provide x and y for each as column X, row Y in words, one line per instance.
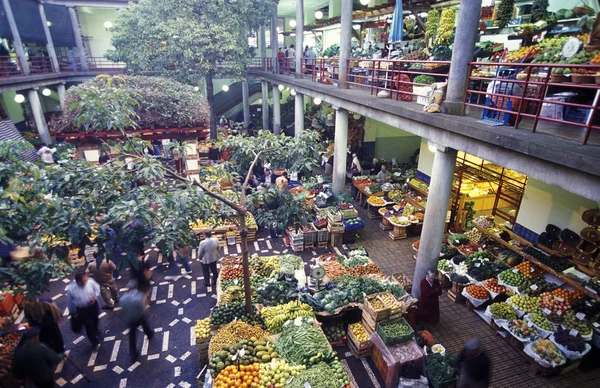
column 170, row 359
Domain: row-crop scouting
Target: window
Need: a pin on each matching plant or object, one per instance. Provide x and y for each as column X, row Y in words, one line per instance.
column 253, row 39
column 281, row 28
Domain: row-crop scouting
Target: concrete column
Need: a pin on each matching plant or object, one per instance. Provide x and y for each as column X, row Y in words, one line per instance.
column 276, row 110
column 435, row 215
column 38, row 116
column 299, row 114
column 60, row 89
column 263, row 47
column 345, row 42
column 340, row 150
column 462, row 53
column 49, row 42
column 274, row 41
column 17, row 43
column 299, row 36
column 335, row 8
column 246, row 103
column 78, row 40
column 265, row 104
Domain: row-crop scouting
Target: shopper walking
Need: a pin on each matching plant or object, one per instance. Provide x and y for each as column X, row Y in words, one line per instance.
column 44, row 315
column 134, row 312
column 34, row 362
column 182, row 258
column 473, row 366
column 429, row 304
column 103, row 274
column 208, row 253
column 83, row 297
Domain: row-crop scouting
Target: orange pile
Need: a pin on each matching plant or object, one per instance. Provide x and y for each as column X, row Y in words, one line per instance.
column 529, row 270
column 244, row 376
column 477, row 292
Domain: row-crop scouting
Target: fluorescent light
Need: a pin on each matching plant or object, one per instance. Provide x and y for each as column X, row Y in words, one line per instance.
column 46, row 92
column 292, row 23
column 225, row 88
column 318, row 15
column 423, row 14
column 108, row 24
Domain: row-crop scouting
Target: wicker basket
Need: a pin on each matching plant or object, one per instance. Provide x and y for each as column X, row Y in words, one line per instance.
column 582, row 79
column 558, row 78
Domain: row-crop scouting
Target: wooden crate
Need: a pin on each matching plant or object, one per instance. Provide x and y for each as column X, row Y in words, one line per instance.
column 398, row 233
column 376, row 315
column 385, row 224
column 310, row 245
column 359, row 353
column 457, row 288
column 368, row 324
column 336, row 239
column 322, row 244
column 456, row 298
column 444, row 281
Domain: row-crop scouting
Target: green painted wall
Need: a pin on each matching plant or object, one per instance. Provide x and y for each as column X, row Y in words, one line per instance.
column 390, row 142
column 12, row 109
column 92, row 21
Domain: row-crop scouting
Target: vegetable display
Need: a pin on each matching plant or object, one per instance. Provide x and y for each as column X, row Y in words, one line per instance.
column 227, row 312
column 302, row 343
column 277, row 373
column 334, row 333
column 445, row 265
column 233, row 332
column 279, row 291
column 440, row 367
column 536, row 286
column 319, row 376
column 274, row 317
column 570, row 321
column 289, row 264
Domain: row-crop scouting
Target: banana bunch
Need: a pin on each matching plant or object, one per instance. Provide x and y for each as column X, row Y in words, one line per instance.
column 231, row 294
column 444, row 32
column 276, row 316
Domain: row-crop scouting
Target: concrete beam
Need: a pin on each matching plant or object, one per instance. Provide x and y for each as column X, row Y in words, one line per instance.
column 557, row 161
column 40, row 80
column 92, row 3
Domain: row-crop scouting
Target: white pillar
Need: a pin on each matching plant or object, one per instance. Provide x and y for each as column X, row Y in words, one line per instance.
column 60, row 89
column 78, row 40
column 276, row 109
column 49, row 42
column 299, row 36
column 345, row 42
column 17, row 43
column 274, row 40
column 339, row 150
column 462, row 53
column 435, row 215
column 299, row 114
column 263, row 47
column 246, row 103
column 38, row 116
column 265, row 104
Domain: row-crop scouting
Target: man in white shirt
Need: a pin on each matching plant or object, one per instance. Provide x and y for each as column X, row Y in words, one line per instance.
column 208, row 253
column 45, row 154
column 382, row 176
column 83, row 297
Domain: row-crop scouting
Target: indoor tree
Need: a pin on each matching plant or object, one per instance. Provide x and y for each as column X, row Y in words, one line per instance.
column 199, row 39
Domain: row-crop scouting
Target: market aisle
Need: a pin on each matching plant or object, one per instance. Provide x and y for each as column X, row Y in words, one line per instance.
column 458, row 324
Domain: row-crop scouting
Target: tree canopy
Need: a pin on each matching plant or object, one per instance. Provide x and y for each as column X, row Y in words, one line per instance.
column 188, row 39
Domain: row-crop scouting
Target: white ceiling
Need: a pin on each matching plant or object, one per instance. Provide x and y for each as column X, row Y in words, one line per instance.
column 288, row 7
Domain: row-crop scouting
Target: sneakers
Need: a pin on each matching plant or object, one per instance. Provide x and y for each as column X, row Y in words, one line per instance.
column 187, row 272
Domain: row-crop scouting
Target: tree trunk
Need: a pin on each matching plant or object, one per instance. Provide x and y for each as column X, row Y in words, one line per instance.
column 245, row 265
column 210, row 98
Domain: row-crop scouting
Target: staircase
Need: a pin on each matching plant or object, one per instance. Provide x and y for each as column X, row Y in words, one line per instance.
column 226, row 101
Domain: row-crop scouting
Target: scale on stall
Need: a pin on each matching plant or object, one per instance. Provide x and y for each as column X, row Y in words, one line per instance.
column 317, row 274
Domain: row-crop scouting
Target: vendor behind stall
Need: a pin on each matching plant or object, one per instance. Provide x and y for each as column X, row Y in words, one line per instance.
column 382, row 176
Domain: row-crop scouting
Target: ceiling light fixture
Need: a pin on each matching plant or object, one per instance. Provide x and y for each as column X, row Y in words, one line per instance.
column 317, row 101
column 225, row 88
column 318, row 15
column 108, row 24
column 365, row 2
column 292, row 23
column 19, row 98
column 46, row 92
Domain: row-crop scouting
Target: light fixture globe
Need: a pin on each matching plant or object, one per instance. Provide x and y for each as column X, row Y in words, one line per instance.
column 108, row 24
column 292, row 23
column 196, row 88
column 317, row 101
column 365, row 2
column 225, row 88
column 19, row 98
column 293, row 92
column 46, row 92
column 318, row 15
column 281, row 87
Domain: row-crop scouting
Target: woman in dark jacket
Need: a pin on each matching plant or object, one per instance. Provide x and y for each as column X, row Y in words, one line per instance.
column 429, row 304
column 45, row 315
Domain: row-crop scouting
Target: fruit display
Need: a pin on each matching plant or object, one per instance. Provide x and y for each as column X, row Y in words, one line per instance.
column 230, row 273
column 7, row 351
column 526, row 304
column 399, row 221
column 445, row 265
column 420, row 185
column 539, row 319
column 554, row 303
column 395, row 195
column 376, row 201
column 277, row 373
column 557, row 263
column 502, row 310
column 521, row 53
column 274, row 317
column 358, row 331
column 573, row 343
column 536, row 286
column 447, row 250
column 446, row 27
column 238, row 376
column 334, row 333
column 433, row 23
column 202, row 328
column 493, row 286
column 278, row 291
column 263, row 266
column 505, row 12
column 302, row 343
column 363, row 270
column 477, row 292
column 588, row 306
column 375, row 302
column 233, row 293
column 523, row 329
column 474, row 235
column 511, row 278
column 547, row 351
column 529, row 270
column 321, row 375
column 389, row 301
column 227, row 312
column 233, row 332
column 570, row 321
column 481, row 269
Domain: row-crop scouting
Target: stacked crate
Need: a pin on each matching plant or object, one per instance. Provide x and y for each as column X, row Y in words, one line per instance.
column 296, row 240
column 359, row 348
column 202, row 344
column 310, row 237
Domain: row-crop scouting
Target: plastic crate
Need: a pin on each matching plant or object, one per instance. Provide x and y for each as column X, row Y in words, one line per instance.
column 322, row 235
column 394, row 340
column 351, row 227
column 310, row 237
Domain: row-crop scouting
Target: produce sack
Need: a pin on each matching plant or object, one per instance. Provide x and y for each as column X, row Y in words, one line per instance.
column 208, row 380
column 476, row 302
column 571, row 355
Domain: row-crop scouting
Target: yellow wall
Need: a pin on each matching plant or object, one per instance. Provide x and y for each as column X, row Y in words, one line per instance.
column 425, row 159
column 544, row 204
column 92, row 25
